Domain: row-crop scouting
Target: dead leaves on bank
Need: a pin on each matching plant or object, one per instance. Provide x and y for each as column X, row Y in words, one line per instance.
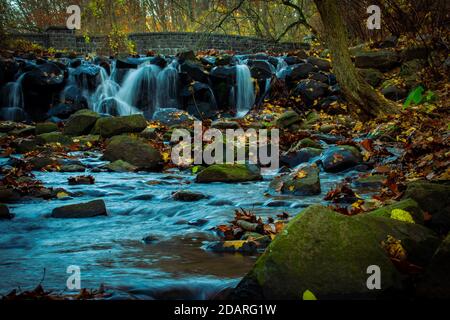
column 39, row 293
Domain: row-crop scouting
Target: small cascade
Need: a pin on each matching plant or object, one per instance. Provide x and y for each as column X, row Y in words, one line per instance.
column 167, row 87
column 281, row 67
column 139, row 89
column 245, row 91
column 13, row 101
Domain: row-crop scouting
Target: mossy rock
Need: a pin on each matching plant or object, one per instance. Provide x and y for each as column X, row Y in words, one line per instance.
column 53, row 137
column 433, row 198
column 229, row 173
column 372, row 76
column 306, row 143
column 134, row 151
column 329, row 254
column 287, row 119
column 373, row 181
column 408, row 205
column 120, row 166
column 339, row 158
column 112, row 126
column 45, row 127
column 81, row 122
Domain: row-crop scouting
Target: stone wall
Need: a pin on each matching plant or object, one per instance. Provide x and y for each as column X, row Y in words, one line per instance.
column 160, row 42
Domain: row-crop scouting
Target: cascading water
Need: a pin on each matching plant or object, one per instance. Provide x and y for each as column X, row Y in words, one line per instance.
column 13, row 101
column 281, row 67
column 139, row 89
column 167, row 87
column 245, row 95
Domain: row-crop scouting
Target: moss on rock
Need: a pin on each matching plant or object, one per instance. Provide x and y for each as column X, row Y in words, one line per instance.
column 229, row 173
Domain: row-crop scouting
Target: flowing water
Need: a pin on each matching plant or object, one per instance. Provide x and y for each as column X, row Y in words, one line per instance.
column 110, row 249
column 245, row 93
column 13, row 102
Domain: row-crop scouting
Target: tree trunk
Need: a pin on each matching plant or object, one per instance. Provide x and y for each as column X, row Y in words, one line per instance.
column 363, row 99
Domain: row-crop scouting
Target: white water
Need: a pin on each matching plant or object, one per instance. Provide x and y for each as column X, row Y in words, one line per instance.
column 167, row 87
column 13, row 100
column 281, row 66
column 245, row 96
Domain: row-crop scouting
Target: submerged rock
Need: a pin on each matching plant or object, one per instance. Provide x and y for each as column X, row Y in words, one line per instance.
column 134, row 151
column 229, row 173
column 4, row 213
column 112, row 126
column 188, row 196
column 294, row 158
column 329, row 254
column 82, row 210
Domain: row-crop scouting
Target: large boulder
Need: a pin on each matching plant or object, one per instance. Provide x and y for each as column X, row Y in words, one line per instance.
column 383, row 60
column 134, row 151
column 435, row 283
column 46, row 127
column 81, row 122
column 311, row 90
column 339, row 158
column 293, row 158
column 287, row 119
column 53, row 137
column 300, row 71
column 229, row 173
column 330, row 254
column 433, row 198
column 302, row 182
column 81, row 210
column 112, row 126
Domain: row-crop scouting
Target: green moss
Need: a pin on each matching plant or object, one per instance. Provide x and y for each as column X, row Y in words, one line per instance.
column 229, row 173
column 53, row 137
column 408, row 205
column 111, row 126
column 46, row 127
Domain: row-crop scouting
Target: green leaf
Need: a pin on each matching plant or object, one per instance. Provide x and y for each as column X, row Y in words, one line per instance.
column 430, row 96
column 415, row 96
column 195, row 169
column 309, row 296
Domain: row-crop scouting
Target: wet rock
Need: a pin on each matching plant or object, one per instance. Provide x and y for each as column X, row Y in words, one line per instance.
column 195, row 71
column 436, row 280
column 383, row 60
column 149, row 134
column 134, row 151
column 371, row 182
column 310, row 90
column 300, row 71
column 143, row 197
column 64, row 111
column 433, row 198
column 198, row 222
column 219, row 203
column 225, row 247
column 225, row 124
column 322, row 64
column 172, row 116
column 329, row 253
column 4, row 213
column 394, row 93
column 72, row 168
column 188, row 196
column 39, row 163
column 112, row 126
column 339, row 158
column 7, row 126
column 8, row 195
column 372, row 76
column 412, row 53
column 294, row 158
column 120, row 166
column 229, row 173
column 24, row 145
column 25, row 131
column 261, row 69
column 46, row 127
column 53, row 137
column 82, row 210
column 302, row 182
column 80, row 123
column 87, row 75
column 306, row 143
column 81, row 180
column 287, row 119
column 150, row 239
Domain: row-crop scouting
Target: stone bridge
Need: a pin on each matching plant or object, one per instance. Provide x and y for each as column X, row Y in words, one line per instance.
column 160, row 42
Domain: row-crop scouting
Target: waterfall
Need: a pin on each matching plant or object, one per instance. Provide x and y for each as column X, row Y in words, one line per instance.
column 167, row 87
column 245, row 97
column 13, row 101
column 281, row 67
column 139, row 89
